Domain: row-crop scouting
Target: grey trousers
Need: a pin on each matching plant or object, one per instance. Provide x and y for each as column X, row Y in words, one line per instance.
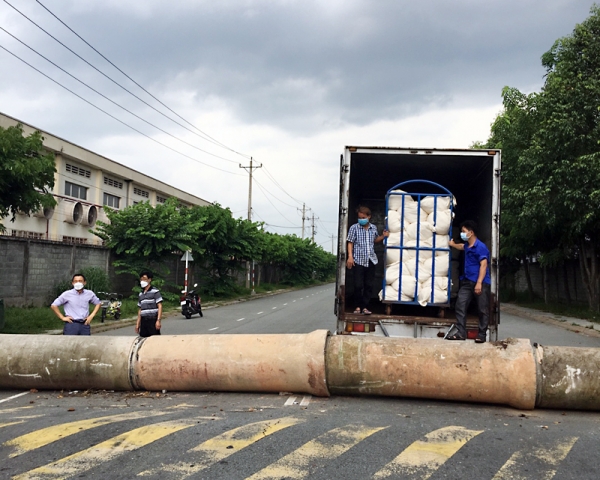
column 465, row 295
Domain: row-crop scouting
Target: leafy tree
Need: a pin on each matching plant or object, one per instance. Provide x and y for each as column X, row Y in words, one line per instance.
column 551, row 147
column 26, row 173
column 144, row 236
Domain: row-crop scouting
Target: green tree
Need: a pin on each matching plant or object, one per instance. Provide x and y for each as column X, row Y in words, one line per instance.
column 26, row 173
column 144, row 236
column 552, row 167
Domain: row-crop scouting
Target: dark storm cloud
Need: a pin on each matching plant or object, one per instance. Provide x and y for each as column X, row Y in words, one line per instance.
column 301, row 64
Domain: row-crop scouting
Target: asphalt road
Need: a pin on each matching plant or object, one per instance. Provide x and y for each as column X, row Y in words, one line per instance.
column 234, row 436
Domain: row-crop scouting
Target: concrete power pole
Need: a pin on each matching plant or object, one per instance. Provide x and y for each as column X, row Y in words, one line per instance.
column 332, row 237
column 249, row 170
column 304, row 217
column 313, row 227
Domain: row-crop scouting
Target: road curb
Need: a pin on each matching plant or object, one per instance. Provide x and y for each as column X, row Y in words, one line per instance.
column 544, row 317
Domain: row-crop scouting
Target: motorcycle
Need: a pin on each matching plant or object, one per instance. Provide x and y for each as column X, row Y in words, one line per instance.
column 110, row 304
column 191, row 303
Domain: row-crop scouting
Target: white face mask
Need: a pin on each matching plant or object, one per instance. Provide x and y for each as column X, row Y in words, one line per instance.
column 143, row 284
column 78, row 286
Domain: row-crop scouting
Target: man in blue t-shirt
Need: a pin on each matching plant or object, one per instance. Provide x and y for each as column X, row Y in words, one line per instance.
column 475, row 281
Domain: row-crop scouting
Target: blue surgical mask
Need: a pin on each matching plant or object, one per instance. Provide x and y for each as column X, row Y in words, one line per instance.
column 464, row 236
column 363, row 221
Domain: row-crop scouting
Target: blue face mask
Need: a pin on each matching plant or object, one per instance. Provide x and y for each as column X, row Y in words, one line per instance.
column 363, row 221
column 464, row 236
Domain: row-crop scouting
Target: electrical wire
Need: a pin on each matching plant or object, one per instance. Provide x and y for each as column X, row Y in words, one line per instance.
column 254, row 178
column 105, row 75
column 136, row 83
column 262, row 190
column 113, row 117
column 272, row 178
column 112, row 101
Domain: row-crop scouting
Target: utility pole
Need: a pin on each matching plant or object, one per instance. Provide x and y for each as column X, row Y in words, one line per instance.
column 304, row 217
column 313, row 227
column 332, row 237
column 249, row 170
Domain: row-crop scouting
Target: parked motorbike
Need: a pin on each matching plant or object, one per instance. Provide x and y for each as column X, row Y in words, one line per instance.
column 191, row 303
column 110, row 305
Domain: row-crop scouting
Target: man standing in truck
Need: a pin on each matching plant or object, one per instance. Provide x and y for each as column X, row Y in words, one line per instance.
column 361, row 256
column 475, row 281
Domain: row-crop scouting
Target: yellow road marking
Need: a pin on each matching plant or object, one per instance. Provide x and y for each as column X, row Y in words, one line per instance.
column 222, row 446
column 544, row 459
column 423, row 457
column 318, row 451
column 106, row 451
column 45, row 436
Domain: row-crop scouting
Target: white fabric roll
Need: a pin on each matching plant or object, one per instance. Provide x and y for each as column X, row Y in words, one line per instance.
column 411, row 214
column 393, row 220
column 406, row 285
column 441, row 241
column 391, row 294
column 392, row 273
column 442, row 263
column 442, row 223
column 392, row 256
column 425, row 233
column 443, row 203
column 395, row 201
column 439, row 295
column 393, row 239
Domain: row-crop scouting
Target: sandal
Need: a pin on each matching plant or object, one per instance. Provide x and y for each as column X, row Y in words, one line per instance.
column 357, row 311
column 366, row 312
column 456, row 336
column 480, row 340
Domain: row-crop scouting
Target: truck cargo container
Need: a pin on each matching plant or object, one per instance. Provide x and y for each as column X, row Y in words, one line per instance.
column 367, row 177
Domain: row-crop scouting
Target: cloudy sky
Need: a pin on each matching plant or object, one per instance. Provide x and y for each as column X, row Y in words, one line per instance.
column 288, row 82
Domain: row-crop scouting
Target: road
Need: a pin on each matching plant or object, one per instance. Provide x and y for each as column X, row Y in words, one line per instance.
column 236, row 436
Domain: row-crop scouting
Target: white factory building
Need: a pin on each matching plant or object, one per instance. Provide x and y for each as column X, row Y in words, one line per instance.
column 84, row 183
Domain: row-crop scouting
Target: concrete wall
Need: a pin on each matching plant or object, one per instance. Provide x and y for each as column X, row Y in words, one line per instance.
column 550, row 282
column 30, row 269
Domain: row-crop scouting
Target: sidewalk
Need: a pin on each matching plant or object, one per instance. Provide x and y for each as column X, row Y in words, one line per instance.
column 576, row 325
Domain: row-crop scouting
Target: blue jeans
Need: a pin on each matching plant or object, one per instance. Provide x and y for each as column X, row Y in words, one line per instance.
column 465, row 295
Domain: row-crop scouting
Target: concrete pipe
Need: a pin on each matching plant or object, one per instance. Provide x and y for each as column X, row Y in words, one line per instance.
column 233, row 363
column 568, row 378
column 49, row 362
column 499, row 372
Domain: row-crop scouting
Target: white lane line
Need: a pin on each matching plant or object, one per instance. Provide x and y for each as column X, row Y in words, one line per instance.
column 293, row 301
column 211, row 329
column 260, row 313
column 305, row 401
column 240, row 319
column 13, row 397
column 273, row 308
column 290, row 401
column 284, row 304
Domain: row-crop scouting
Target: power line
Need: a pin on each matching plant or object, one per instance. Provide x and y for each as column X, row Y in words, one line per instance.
column 262, row 190
column 276, row 198
column 136, row 83
column 110, row 100
column 108, row 77
column 270, row 176
column 112, row 116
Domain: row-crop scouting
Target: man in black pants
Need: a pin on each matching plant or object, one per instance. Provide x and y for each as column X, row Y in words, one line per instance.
column 475, row 281
column 361, row 256
column 149, row 307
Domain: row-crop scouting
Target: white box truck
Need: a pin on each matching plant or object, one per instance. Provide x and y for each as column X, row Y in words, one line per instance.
column 438, row 184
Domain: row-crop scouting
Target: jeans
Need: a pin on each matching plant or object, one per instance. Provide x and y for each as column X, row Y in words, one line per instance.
column 76, row 328
column 465, row 295
column 363, row 284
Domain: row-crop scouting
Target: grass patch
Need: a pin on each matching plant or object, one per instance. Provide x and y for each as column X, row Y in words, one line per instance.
column 36, row 320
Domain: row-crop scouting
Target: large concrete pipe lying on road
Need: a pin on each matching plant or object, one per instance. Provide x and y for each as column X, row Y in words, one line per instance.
column 53, row 362
column 233, row 363
column 568, row 378
column 499, row 372
column 510, row 372
column 249, row 363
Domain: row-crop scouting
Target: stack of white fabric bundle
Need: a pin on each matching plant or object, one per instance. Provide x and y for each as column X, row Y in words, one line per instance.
column 419, row 271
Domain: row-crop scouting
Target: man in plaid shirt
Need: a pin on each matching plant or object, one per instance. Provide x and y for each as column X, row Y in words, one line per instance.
column 361, row 257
